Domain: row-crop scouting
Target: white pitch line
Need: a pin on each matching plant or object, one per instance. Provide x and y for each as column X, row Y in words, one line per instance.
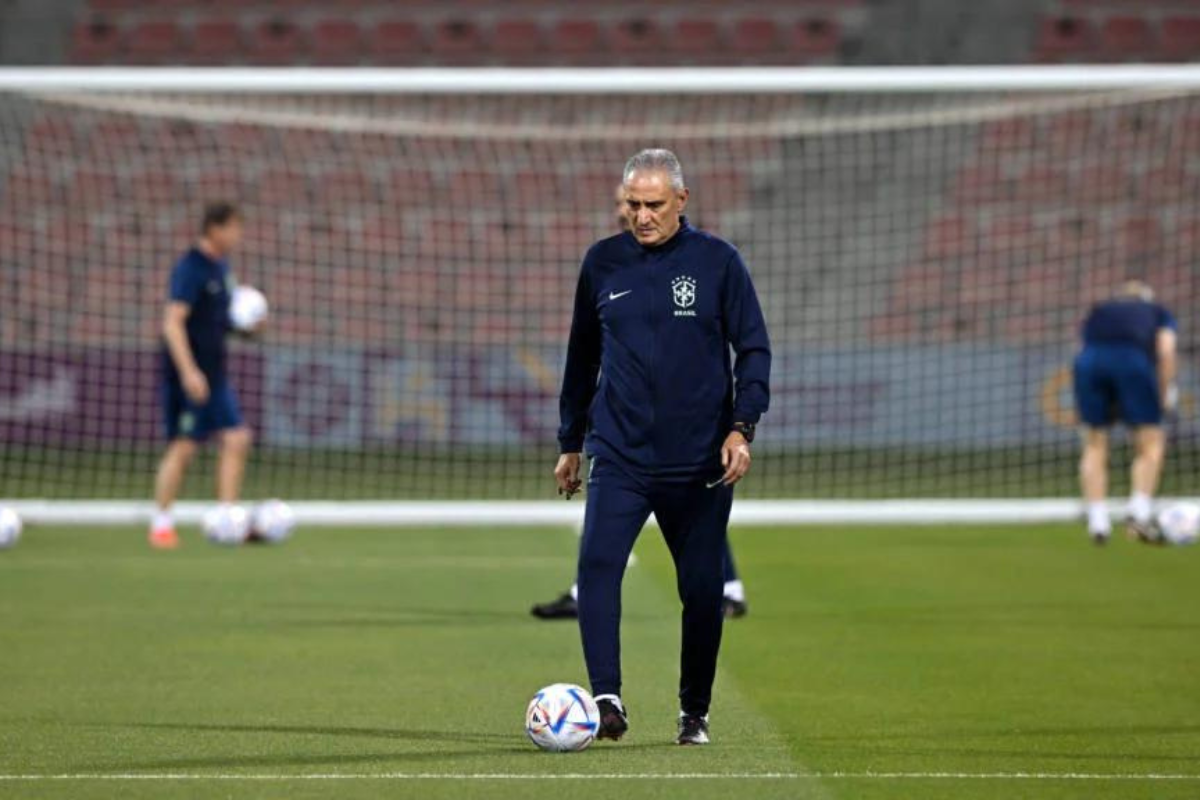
column 580, row 776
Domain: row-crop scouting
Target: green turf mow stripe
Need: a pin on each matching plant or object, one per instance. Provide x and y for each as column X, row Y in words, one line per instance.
column 581, row 776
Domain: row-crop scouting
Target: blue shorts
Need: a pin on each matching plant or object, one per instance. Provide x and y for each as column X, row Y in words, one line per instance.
column 1116, row 384
column 186, row 420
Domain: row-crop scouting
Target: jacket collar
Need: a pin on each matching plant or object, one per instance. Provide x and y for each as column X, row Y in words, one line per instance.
column 685, row 228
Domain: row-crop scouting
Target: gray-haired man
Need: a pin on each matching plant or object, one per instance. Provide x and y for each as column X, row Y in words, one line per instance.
column 666, row 419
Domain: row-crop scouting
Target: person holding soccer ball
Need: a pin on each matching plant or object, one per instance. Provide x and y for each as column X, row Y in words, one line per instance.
column 198, row 399
column 566, row 605
column 649, row 391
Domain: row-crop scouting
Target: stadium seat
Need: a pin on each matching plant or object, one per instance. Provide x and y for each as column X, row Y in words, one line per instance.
column 340, row 188
column 155, row 42
column 95, row 42
column 336, row 42
column 1126, row 38
column 1014, row 237
column 756, row 38
column 1102, row 185
column 94, row 187
column 216, row 41
column 1008, row 135
column 457, row 41
column 517, row 41
column 107, row 6
column 637, row 40
column 1069, row 134
column 1180, row 38
column 1072, row 237
column 1167, row 185
column 397, row 42
column 594, row 186
column 413, row 188
column 577, row 41
column 981, row 184
column 217, row 183
column 533, row 188
column 815, row 38
column 1064, row 39
column 1042, row 185
column 982, row 289
column 153, row 189
column 280, row 186
column 949, row 237
column 32, row 187
column 697, row 40
column 1137, row 237
column 276, row 41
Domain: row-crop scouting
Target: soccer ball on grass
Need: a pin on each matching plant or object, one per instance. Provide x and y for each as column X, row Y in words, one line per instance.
column 1180, row 523
column 562, row 718
column 10, row 528
column 227, row 525
column 273, row 522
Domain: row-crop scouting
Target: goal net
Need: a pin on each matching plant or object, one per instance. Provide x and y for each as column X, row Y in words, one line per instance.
column 924, row 259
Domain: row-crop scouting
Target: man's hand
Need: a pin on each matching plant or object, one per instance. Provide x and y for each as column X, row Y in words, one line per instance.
column 735, row 458
column 566, row 474
column 196, row 386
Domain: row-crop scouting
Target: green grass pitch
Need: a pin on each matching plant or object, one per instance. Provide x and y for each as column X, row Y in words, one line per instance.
column 871, row 660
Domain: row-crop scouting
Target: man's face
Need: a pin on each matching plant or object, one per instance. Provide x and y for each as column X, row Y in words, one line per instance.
column 226, row 237
column 653, row 206
column 619, row 208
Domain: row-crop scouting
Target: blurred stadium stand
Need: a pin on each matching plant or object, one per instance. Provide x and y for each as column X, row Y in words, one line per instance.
column 522, row 32
column 1013, row 200
column 462, row 33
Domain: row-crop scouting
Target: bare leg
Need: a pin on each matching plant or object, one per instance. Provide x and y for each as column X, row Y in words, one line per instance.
column 1150, row 444
column 167, row 483
column 1093, row 478
column 1150, row 447
column 231, row 465
column 171, row 472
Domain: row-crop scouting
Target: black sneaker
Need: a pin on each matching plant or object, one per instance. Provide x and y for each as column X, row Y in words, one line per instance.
column 1144, row 532
column 564, row 607
column 1099, row 538
column 693, row 729
column 614, row 720
column 735, row 609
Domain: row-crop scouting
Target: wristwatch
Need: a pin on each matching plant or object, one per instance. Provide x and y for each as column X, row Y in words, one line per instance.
column 746, row 429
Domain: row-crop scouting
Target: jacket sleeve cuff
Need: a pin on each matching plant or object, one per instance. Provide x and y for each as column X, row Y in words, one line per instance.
column 749, row 417
column 572, row 445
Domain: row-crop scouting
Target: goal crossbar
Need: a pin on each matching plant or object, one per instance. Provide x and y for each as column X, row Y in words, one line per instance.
column 598, row 81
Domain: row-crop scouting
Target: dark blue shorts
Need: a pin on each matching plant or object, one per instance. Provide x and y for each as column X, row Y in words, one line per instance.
column 186, row 420
column 1116, row 384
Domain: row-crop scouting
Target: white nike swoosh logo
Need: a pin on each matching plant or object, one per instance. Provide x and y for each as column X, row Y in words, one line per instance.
column 616, row 295
column 714, row 484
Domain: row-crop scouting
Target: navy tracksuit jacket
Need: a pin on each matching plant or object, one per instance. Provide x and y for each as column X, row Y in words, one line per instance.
column 650, row 392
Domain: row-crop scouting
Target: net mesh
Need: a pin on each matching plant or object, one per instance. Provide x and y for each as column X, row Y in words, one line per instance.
column 923, row 261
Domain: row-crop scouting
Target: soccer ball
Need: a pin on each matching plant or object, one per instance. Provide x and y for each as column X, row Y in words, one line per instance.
column 562, row 718
column 248, row 308
column 274, row 522
column 10, row 528
column 1180, row 523
column 227, row 525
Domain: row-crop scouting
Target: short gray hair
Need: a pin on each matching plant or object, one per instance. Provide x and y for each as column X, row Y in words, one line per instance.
column 655, row 159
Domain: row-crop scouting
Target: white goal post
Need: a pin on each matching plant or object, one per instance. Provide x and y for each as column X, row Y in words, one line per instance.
column 995, row 93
